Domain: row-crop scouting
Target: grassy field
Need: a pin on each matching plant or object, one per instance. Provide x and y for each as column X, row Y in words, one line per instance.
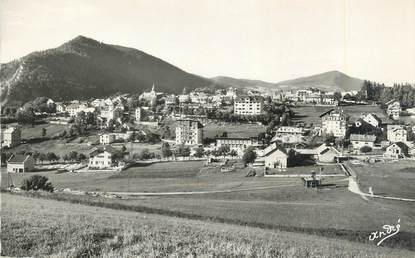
column 311, row 114
column 233, row 130
column 285, row 204
column 30, row 228
column 164, row 177
column 392, row 179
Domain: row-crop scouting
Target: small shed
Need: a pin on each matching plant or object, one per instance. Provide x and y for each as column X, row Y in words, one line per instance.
column 311, row 182
column 20, row 164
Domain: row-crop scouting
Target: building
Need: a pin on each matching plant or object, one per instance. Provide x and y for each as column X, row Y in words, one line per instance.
column 189, row 132
column 397, row 150
column 248, row 105
column 150, row 97
column 360, row 140
column 60, row 108
column 106, row 138
column 111, row 113
column 371, row 119
column 237, row 144
column 327, row 154
column 11, row 137
column 275, row 156
column 394, row 109
column 102, row 157
column 20, row 164
column 75, row 109
column 334, row 122
column 396, row 133
column 138, row 114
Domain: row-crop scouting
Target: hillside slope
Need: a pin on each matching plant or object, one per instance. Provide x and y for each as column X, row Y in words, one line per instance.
column 330, row 81
column 84, row 68
column 242, row 83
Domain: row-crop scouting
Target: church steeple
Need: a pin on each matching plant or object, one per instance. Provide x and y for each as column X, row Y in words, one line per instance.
column 152, row 88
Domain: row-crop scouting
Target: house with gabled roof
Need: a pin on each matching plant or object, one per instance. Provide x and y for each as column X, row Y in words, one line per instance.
column 394, row 109
column 20, row 164
column 397, row 150
column 274, row 156
column 102, row 157
column 360, row 140
column 371, row 119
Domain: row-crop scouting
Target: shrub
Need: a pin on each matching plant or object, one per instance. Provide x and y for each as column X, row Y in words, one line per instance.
column 37, row 182
column 365, row 149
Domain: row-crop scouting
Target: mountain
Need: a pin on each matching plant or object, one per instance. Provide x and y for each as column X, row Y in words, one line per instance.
column 84, row 68
column 329, row 81
column 242, row 83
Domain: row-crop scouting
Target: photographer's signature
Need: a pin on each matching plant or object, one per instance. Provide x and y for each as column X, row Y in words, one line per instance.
column 387, row 232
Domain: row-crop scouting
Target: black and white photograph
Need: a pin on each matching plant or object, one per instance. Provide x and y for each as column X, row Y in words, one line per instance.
column 207, row 128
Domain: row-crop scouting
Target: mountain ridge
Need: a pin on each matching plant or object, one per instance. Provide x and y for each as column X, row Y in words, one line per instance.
column 85, row 68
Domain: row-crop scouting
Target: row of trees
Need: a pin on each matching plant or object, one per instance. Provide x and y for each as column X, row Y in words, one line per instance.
column 50, row 157
column 405, row 93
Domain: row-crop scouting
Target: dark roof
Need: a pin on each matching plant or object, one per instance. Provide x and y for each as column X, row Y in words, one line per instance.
column 401, row 145
column 17, row 158
column 251, row 98
column 275, row 147
column 327, row 112
column 376, row 117
column 236, row 138
column 189, row 122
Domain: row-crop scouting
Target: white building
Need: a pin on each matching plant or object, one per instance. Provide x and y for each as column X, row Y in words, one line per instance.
column 150, row 97
column 189, row 132
column 274, row 156
column 248, row 105
column 102, row 157
column 20, row 164
column 396, row 150
column 359, row 140
column 75, row 109
column 106, row 138
column 237, row 144
column 289, row 134
column 394, row 109
column 60, row 108
column 138, row 114
column 11, row 137
column 111, row 113
column 371, row 119
column 396, row 133
column 334, row 122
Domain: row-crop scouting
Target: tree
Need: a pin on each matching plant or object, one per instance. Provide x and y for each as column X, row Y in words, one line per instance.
column 42, row 157
column 165, row 150
column 73, row 155
column 35, row 155
column 43, row 132
column 37, row 182
column 233, row 153
column 365, row 149
column 51, row 156
column 199, row 152
column 26, row 116
column 81, row 157
column 224, row 149
column 249, row 155
column 183, row 151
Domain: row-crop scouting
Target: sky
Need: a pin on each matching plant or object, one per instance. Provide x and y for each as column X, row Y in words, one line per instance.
column 271, row 40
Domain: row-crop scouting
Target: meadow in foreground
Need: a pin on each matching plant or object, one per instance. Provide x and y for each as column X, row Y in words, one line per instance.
column 39, row 228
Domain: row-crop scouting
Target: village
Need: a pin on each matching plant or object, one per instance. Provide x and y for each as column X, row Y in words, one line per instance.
column 112, row 131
